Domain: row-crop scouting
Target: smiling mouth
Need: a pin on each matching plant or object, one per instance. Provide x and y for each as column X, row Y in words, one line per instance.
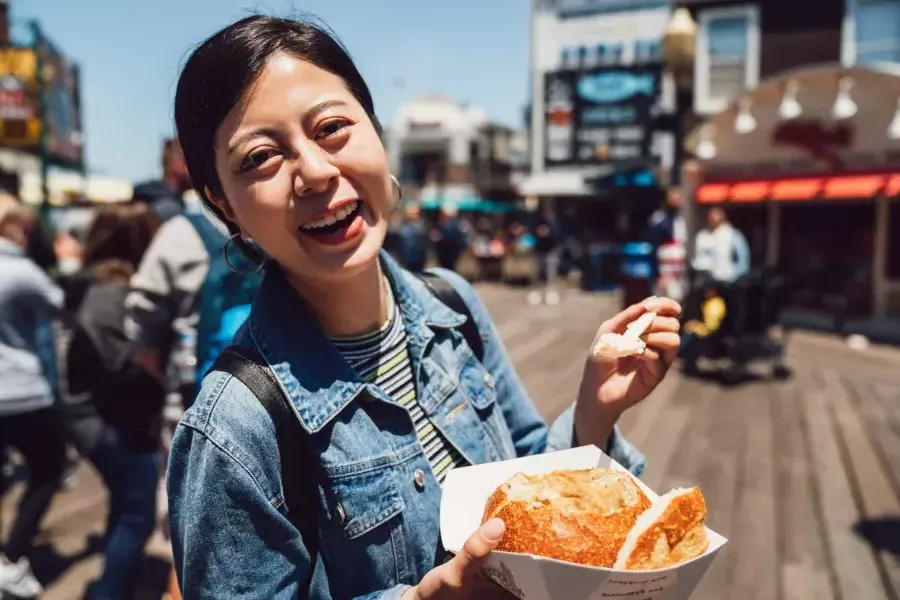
column 335, row 221
column 338, row 226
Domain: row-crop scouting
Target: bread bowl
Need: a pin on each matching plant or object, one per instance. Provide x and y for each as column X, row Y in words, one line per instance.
column 577, row 516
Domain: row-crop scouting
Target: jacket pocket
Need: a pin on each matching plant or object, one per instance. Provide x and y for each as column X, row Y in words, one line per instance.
column 480, row 388
column 358, row 503
column 362, row 536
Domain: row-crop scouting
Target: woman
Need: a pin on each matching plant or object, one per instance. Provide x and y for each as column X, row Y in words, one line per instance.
column 116, row 404
column 29, row 418
column 280, row 135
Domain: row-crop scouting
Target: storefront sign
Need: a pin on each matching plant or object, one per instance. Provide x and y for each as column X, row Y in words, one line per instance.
column 19, row 124
column 601, row 115
column 62, row 106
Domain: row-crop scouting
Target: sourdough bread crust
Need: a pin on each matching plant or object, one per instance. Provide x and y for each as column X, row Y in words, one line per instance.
column 577, row 516
column 677, row 535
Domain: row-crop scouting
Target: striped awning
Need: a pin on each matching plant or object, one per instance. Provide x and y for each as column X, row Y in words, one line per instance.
column 844, row 187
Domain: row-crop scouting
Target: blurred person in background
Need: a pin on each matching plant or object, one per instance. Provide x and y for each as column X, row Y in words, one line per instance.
column 448, row 238
column 280, row 136
column 30, row 419
column 721, row 252
column 166, row 195
column 546, row 249
column 115, row 403
column 666, row 224
column 412, row 239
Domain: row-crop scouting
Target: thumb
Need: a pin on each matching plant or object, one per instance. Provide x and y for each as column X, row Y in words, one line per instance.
column 479, row 545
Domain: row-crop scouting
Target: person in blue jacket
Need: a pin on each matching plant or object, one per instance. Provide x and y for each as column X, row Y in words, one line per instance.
column 280, row 136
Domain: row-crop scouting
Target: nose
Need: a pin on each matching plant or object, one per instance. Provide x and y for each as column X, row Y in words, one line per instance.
column 314, row 172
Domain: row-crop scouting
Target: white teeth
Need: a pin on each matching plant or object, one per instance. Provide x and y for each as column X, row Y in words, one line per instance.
column 333, row 218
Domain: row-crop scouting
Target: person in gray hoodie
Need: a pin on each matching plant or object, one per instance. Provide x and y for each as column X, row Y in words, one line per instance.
column 30, row 420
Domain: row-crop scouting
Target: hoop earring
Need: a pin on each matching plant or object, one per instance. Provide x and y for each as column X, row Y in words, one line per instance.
column 398, row 191
column 234, row 269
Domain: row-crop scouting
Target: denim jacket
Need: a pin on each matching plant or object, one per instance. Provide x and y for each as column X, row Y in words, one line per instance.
column 378, row 525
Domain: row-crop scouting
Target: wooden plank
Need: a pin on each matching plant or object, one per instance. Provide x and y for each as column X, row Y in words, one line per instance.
column 882, row 416
column 875, row 492
column 805, row 569
column 755, row 522
column 638, row 422
column 718, row 477
column 856, row 569
column 661, row 446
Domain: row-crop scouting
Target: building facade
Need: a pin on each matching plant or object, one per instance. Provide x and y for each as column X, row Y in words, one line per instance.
column 801, row 142
column 448, row 154
column 598, row 88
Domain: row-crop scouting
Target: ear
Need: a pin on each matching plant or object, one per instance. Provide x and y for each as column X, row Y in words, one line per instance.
column 221, row 203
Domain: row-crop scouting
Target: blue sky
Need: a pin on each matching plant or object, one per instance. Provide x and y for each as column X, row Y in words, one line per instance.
column 475, row 51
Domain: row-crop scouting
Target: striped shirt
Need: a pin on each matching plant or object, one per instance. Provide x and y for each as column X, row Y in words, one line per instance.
column 382, row 357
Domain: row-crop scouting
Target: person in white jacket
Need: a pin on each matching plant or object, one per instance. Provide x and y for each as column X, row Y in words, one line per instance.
column 721, row 252
column 30, row 420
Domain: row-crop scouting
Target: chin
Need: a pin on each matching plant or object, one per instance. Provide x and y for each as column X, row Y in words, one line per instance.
column 338, row 265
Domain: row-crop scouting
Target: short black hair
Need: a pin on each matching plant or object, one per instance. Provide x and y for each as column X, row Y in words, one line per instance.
column 220, row 71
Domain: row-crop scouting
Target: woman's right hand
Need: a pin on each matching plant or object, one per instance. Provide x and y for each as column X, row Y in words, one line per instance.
column 461, row 577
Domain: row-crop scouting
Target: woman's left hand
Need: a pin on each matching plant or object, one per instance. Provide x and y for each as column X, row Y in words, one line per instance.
column 610, row 386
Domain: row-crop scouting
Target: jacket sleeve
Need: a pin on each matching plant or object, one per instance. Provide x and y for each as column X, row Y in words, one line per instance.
column 41, row 293
column 530, row 433
column 172, row 272
column 228, row 538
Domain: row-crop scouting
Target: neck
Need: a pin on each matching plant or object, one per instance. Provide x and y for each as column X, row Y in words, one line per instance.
column 172, row 180
column 352, row 307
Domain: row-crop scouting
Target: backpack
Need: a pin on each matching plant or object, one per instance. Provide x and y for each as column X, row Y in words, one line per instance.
column 300, row 497
column 225, row 296
column 103, row 364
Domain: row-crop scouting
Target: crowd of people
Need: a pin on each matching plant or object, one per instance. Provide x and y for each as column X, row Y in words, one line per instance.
column 319, row 375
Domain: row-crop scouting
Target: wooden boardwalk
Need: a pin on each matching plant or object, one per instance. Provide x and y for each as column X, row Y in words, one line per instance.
column 803, row 476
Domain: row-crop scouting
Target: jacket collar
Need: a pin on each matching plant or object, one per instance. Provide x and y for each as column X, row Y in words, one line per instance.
column 312, row 372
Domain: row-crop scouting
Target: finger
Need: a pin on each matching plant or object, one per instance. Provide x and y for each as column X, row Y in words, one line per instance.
column 664, row 307
column 664, row 345
column 478, row 546
column 648, row 355
column 663, row 324
column 663, row 341
column 618, row 323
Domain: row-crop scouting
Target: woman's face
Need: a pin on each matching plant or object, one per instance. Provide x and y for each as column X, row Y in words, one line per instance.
column 304, row 173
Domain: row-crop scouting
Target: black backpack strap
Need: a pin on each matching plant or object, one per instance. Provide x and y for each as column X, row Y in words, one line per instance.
column 444, row 291
column 298, row 474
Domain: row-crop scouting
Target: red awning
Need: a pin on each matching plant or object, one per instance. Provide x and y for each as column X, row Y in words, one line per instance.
column 845, row 187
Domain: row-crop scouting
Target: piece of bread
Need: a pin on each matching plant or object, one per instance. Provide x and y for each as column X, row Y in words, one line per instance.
column 672, row 531
column 616, row 345
column 577, row 516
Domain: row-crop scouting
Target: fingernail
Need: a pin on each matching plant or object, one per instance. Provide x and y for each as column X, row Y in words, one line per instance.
column 493, row 529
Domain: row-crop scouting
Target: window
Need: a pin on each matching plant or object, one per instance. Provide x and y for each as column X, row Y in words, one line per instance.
column 727, row 56
column 873, row 34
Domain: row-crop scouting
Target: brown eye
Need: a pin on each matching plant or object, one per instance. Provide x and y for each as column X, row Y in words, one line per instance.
column 257, row 159
column 332, row 128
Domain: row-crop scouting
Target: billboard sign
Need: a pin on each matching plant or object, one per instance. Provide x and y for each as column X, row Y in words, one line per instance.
column 19, row 119
column 600, row 115
column 62, row 106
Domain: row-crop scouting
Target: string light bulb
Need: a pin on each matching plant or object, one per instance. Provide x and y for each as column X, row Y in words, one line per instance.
column 706, row 149
column 844, row 106
column 894, row 127
column 744, row 122
column 790, row 108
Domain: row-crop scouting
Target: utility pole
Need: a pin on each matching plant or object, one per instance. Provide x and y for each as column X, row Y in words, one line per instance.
column 42, row 154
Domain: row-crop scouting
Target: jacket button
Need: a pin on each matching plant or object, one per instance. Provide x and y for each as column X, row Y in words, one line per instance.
column 419, row 479
column 489, row 381
column 340, row 514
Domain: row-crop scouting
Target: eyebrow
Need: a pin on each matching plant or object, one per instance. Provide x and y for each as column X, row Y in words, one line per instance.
column 311, row 114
